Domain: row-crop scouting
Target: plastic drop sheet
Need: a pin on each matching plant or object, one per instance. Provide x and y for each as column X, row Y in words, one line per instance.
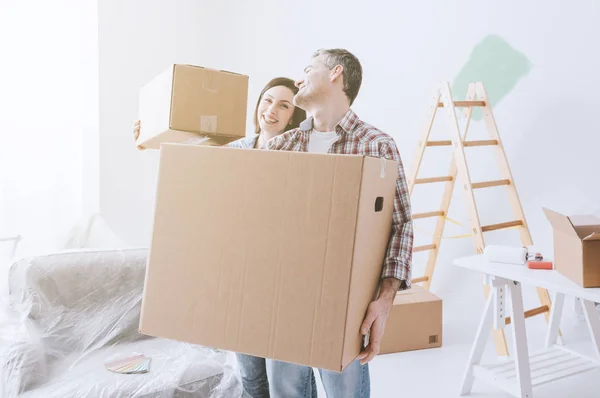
column 69, row 314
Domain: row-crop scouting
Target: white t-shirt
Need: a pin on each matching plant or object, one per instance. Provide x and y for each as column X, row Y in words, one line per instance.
column 321, row 142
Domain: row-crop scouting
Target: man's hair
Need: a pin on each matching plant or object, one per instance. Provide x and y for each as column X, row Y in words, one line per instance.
column 352, row 72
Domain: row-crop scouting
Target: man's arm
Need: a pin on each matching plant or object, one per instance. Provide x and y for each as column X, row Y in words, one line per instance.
column 398, row 261
column 397, row 265
column 376, row 318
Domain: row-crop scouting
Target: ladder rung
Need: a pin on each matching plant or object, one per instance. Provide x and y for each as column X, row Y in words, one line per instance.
column 466, row 144
column 528, row 314
column 427, row 215
column 464, row 103
column 488, row 184
column 420, row 279
column 439, row 143
column 480, row 143
column 423, row 248
column 503, row 225
column 433, row 179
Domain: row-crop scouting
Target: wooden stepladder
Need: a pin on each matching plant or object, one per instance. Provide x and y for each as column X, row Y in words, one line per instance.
column 476, row 97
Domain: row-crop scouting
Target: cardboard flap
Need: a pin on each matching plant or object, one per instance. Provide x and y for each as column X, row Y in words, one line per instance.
column 560, row 222
column 586, row 220
column 593, row 236
column 585, row 225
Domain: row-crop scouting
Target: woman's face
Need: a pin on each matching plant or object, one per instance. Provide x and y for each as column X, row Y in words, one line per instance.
column 275, row 110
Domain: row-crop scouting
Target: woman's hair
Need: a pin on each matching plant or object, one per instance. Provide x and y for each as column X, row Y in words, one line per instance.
column 299, row 114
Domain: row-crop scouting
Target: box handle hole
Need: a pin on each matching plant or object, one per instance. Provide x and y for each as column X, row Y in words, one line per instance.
column 378, row 204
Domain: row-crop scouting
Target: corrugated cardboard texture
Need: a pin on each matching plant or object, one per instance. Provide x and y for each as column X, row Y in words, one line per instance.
column 185, row 102
column 252, row 252
column 591, row 264
column 576, row 251
column 315, row 257
column 373, row 231
column 568, row 256
column 414, row 323
column 209, row 101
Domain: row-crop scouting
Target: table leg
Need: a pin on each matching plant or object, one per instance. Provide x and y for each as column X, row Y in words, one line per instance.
column 555, row 316
column 520, row 341
column 478, row 347
column 593, row 321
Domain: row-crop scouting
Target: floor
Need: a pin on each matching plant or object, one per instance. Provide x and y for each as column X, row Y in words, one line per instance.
column 438, row 372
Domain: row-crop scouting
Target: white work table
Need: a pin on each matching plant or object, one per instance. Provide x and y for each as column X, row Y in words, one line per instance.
column 520, row 374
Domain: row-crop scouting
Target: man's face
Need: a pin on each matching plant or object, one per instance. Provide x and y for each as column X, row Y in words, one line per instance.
column 315, row 84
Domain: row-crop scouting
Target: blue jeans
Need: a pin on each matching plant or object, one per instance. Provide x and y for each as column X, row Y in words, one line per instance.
column 287, row 380
column 253, row 373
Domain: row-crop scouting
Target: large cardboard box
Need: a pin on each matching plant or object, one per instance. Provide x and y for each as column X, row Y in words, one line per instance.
column 576, row 247
column 414, row 323
column 185, row 103
column 270, row 253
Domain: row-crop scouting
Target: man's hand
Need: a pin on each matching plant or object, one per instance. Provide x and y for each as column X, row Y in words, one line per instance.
column 376, row 318
column 375, row 324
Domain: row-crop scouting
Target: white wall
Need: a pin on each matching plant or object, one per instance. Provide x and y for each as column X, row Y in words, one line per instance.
column 90, row 123
column 547, row 122
column 46, row 107
column 137, row 40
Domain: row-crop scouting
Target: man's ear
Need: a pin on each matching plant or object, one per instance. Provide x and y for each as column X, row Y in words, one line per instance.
column 336, row 73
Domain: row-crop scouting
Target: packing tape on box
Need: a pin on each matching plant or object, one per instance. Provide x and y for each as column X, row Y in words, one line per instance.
column 208, row 123
column 383, row 168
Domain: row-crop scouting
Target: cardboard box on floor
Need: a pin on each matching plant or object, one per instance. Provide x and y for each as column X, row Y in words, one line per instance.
column 414, row 323
column 271, row 253
column 576, row 247
column 187, row 103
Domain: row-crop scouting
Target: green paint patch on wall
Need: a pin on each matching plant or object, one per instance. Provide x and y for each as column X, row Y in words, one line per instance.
column 495, row 63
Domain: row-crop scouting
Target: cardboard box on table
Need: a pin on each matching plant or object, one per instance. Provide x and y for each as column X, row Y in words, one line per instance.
column 576, row 247
column 270, row 253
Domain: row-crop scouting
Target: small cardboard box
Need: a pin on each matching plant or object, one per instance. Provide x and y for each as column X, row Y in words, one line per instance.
column 187, row 103
column 576, row 247
column 414, row 323
column 271, row 253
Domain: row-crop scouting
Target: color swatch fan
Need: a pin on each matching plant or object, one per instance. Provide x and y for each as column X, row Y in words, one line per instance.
column 137, row 363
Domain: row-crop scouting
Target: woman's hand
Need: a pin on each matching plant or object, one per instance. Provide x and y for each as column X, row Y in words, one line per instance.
column 136, row 133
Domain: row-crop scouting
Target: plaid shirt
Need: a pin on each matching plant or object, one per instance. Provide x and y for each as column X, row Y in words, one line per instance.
column 358, row 138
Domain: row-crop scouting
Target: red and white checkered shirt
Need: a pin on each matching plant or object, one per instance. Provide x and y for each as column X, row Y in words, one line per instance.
column 359, row 138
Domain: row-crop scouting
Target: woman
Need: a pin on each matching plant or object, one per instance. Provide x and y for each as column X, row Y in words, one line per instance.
column 274, row 114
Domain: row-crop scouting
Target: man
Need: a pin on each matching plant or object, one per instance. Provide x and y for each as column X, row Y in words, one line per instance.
column 331, row 83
